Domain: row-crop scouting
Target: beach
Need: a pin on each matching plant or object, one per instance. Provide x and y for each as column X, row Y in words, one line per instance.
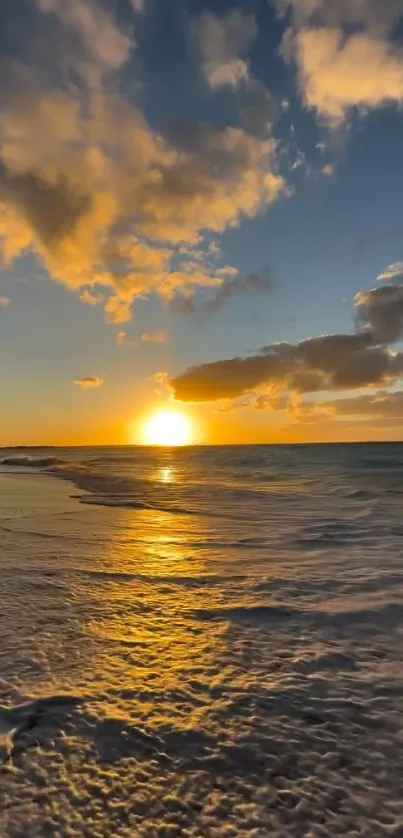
column 206, row 642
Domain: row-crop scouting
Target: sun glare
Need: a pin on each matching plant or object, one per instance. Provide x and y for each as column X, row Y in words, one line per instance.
column 167, row 428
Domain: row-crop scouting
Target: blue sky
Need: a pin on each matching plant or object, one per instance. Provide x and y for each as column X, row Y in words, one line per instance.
column 201, row 190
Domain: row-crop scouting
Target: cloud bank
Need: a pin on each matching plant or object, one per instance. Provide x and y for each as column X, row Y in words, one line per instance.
column 382, row 405
column 282, row 372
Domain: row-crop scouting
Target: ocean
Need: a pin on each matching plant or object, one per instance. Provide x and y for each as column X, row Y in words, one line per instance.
column 201, row 642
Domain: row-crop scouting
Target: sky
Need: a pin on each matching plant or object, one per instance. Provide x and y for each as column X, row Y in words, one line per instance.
column 200, row 209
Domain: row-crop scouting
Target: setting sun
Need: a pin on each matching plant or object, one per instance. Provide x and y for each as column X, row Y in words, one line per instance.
column 167, row 428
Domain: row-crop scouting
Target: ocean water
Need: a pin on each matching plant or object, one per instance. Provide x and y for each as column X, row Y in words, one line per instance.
column 202, row 642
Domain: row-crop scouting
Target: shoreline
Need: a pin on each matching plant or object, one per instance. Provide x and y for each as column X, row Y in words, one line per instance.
column 25, row 493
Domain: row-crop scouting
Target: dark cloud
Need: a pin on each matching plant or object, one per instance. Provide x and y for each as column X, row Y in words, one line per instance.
column 257, row 109
column 332, row 362
column 347, row 360
column 382, row 405
column 245, row 285
column 323, row 363
column 223, row 41
column 91, row 35
column 224, row 379
column 380, row 311
column 51, row 209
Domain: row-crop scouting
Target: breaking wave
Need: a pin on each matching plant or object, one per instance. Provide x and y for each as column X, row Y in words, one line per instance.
column 31, row 462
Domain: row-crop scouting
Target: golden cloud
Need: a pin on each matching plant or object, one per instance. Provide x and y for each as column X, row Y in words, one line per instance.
column 91, row 382
column 154, row 337
column 394, row 271
column 339, row 73
column 380, row 17
column 121, row 338
column 346, row 53
column 102, row 200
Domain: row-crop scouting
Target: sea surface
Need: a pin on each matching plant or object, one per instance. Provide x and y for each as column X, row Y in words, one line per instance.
column 201, row 642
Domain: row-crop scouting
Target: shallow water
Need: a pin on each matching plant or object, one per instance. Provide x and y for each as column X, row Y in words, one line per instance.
column 226, row 624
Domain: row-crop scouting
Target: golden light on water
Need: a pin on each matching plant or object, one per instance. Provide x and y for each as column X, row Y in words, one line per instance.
column 167, row 428
column 166, row 475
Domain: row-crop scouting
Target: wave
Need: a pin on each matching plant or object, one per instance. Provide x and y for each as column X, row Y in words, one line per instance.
column 199, row 581
column 248, row 613
column 117, row 491
column 119, row 503
column 234, row 488
column 101, row 488
column 39, row 534
column 386, row 613
column 362, row 494
column 31, row 462
column 381, row 464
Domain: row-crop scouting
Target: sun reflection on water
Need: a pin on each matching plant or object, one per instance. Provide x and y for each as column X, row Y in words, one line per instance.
column 166, row 475
column 148, row 601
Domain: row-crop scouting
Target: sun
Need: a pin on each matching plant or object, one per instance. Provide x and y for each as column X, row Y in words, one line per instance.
column 167, row 428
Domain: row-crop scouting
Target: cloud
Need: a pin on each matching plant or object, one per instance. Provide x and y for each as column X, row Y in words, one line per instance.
column 382, row 405
column 103, row 201
column 380, row 17
column 138, row 6
column 154, row 337
column 318, row 364
column 91, row 33
column 222, row 42
column 394, row 271
column 4, row 302
column 257, row 108
column 346, row 55
column 333, row 362
column 52, row 207
column 381, row 410
column 121, row 338
column 380, row 311
column 233, row 285
column 91, row 382
column 373, row 407
column 298, row 409
column 338, row 73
